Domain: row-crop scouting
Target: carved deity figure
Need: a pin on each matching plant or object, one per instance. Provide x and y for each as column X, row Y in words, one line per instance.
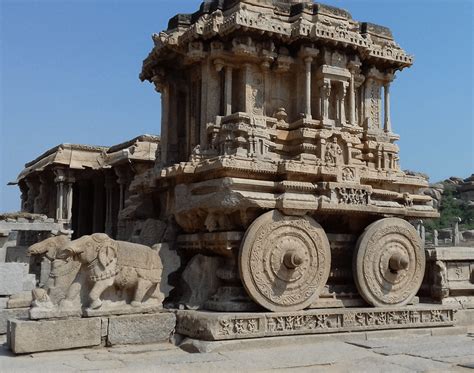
column 333, row 152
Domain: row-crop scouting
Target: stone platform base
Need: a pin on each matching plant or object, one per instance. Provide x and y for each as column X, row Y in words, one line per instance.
column 212, row 326
column 465, row 317
column 25, row 336
column 11, row 313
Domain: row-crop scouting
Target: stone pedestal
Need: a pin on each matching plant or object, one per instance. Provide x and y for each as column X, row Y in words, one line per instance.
column 35, row 336
column 25, row 336
column 140, row 329
column 450, row 276
column 9, row 314
column 211, row 326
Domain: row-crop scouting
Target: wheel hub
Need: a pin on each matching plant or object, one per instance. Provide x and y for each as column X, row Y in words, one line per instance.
column 398, row 262
column 292, row 259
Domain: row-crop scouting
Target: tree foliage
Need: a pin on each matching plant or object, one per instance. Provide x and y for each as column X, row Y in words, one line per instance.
column 452, row 206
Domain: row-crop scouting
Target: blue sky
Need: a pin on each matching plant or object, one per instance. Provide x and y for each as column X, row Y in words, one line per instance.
column 69, row 73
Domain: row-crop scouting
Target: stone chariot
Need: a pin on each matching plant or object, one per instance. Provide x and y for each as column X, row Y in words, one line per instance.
column 277, row 155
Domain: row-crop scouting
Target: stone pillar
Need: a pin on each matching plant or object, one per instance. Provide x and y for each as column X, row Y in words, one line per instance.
column 267, row 87
column 69, row 197
column 342, row 104
column 387, row 120
column 352, row 101
column 308, row 64
column 435, row 238
column 325, row 95
column 123, row 179
column 98, row 208
column 205, row 82
column 164, row 89
column 33, row 191
column 41, row 202
column 420, row 228
column 247, row 87
column 110, row 183
column 24, row 195
column 373, row 100
column 60, row 180
column 456, row 236
column 228, row 91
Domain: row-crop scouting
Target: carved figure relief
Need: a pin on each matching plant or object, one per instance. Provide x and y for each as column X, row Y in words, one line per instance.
column 353, row 196
column 257, row 95
column 333, row 152
column 85, row 268
column 348, row 174
column 123, row 264
column 62, row 275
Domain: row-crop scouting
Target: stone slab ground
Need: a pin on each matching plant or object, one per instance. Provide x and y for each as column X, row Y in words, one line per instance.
column 364, row 352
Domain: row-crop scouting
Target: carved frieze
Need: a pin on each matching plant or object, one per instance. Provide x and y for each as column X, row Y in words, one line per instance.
column 207, row 326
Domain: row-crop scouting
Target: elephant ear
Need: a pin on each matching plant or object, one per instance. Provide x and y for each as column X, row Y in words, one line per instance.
column 106, row 255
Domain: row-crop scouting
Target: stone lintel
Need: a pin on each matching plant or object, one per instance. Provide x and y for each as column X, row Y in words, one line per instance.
column 224, row 326
column 30, row 226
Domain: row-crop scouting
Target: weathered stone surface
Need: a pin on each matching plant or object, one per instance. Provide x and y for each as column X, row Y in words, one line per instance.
column 3, row 302
column 17, row 254
column 465, row 317
column 305, row 354
column 223, row 326
column 171, row 262
column 122, row 309
column 12, row 278
column 141, row 329
column 201, row 280
column 9, row 314
column 20, row 300
column 34, row 336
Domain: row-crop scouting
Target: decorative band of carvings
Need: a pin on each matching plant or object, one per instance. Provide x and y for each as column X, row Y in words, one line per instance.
column 218, row 326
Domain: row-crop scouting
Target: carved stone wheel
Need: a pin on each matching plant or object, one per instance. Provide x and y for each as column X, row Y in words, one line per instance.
column 284, row 261
column 389, row 263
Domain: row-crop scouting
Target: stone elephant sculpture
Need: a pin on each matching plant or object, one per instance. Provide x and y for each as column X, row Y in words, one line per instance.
column 123, row 264
column 63, row 273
